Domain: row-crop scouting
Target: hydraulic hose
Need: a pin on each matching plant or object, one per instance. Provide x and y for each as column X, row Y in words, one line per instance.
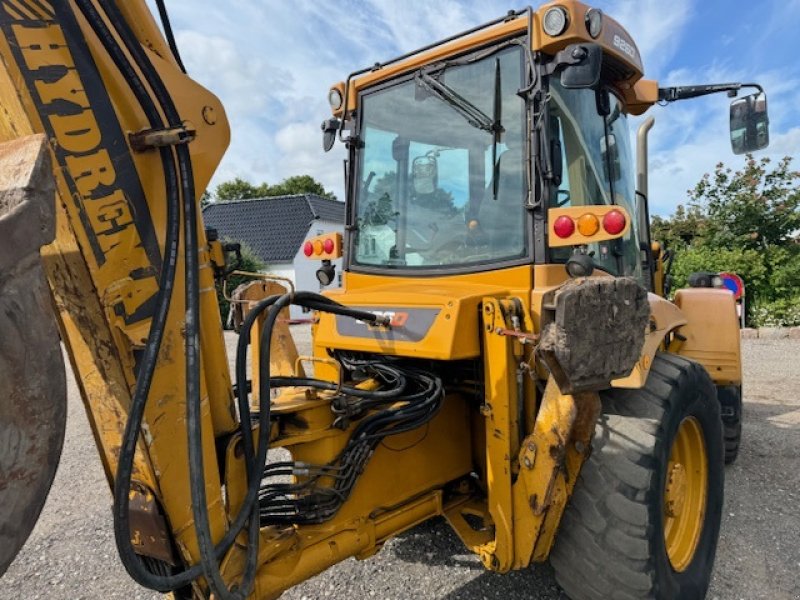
column 131, row 560
column 122, row 482
column 326, row 501
column 168, row 33
column 208, row 553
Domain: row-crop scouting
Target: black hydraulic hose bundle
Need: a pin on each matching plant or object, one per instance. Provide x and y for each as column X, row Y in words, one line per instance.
column 418, row 395
column 122, row 482
column 413, row 402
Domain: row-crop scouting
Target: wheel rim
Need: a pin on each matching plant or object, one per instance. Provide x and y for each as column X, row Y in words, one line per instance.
column 685, row 492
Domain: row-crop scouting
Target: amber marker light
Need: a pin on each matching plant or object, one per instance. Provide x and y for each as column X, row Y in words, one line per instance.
column 317, row 247
column 588, row 225
column 564, row 226
column 614, row 222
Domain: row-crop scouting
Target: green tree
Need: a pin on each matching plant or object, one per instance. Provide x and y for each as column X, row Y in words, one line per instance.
column 746, row 221
column 754, row 207
column 680, row 229
column 250, row 262
column 299, row 184
column 241, row 189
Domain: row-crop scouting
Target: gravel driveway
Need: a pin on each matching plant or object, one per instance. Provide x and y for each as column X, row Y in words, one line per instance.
column 71, row 552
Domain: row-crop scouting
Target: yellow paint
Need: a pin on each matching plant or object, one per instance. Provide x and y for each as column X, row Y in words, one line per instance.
column 454, row 333
column 712, row 333
column 500, row 411
column 685, row 493
column 526, row 451
column 98, row 268
column 665, row 317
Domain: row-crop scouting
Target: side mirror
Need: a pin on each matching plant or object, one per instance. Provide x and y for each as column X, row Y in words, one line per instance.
column 583, row 65
column 749, row 123
column 329, row 129
column 424, row 174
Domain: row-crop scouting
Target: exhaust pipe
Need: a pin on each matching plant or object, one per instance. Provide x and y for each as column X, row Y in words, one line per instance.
column 641, row 155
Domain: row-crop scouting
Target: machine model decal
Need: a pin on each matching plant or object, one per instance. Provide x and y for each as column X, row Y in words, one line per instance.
column 89, row 146
column 407, row 324
column 624, row 46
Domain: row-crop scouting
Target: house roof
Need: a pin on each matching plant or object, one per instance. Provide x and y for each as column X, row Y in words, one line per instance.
column 272, row 227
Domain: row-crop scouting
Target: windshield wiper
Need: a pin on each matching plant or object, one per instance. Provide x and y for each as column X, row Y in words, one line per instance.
column 497, row 128
column 471, row 113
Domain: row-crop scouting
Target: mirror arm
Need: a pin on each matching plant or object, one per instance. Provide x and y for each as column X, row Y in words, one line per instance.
column 671, row 94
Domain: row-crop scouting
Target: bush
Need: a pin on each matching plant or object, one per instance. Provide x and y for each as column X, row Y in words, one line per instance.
column 750, row 265
column 778, row 313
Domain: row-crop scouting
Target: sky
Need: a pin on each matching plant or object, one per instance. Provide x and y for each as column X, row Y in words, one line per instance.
column 272, row 63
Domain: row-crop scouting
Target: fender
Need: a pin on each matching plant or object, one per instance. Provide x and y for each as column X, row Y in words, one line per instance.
column 664, row 318
column 712, row 336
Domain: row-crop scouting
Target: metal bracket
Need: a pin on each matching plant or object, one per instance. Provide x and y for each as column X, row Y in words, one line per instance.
column 148, row 139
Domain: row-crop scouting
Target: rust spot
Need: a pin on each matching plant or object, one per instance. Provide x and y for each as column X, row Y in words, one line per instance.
column 534, row 502
column 557, row 451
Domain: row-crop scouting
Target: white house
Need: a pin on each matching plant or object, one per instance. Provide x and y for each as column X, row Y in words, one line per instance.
column 276, row 228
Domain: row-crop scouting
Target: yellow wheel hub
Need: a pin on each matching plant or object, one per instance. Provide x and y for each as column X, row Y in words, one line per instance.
column 685, row 494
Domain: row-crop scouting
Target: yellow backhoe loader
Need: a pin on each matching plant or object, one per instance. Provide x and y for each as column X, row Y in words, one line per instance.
column 501, row 351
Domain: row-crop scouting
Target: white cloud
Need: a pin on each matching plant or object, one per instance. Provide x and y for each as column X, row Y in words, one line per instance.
column 656, row 27
column 272, row 64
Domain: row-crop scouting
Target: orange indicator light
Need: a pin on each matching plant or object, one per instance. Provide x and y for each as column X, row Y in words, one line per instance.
column 588, row 225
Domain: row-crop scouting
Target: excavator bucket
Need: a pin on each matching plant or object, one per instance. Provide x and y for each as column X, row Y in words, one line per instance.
column 33, row 397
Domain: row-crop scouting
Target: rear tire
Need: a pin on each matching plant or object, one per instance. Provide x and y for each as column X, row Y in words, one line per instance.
column 730, row 402
column 611, row 543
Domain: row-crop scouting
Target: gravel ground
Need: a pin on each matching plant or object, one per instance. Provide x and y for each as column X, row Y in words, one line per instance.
column 71, row 552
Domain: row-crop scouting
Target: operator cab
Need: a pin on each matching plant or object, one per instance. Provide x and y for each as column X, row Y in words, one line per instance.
column 460, row 153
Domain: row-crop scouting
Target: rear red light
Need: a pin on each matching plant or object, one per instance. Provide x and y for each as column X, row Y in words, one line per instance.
column 564, row 226
column 328, row 246
column 614, row 222
column 308, row 249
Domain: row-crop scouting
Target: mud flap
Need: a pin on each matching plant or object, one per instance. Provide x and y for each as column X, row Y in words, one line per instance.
column 593, row 331
column 33, row 398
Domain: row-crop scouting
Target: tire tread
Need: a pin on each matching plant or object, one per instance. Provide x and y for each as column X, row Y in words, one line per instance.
column 605, row 531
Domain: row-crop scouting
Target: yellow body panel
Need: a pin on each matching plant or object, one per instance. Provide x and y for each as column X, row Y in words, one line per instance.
column 455, row 299
column 665, row 317
column 711, row 336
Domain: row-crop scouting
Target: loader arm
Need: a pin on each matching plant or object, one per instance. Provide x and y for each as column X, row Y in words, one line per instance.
column 132, row 140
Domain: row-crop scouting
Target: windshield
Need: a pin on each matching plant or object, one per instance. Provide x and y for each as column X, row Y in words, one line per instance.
column 441, row 175
column 597, row 168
